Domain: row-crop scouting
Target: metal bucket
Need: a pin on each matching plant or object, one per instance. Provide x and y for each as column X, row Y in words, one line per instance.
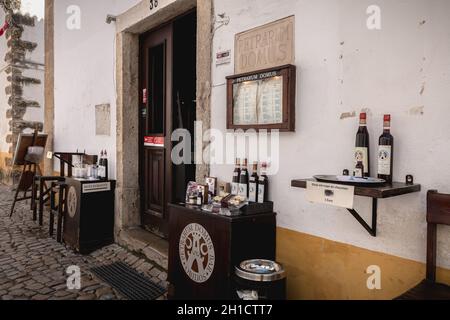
column 260, row 279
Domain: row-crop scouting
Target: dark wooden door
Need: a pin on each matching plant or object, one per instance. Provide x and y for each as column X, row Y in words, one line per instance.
column 156, row 122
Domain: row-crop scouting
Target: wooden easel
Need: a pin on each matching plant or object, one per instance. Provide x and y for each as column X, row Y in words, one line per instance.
column 30, row 166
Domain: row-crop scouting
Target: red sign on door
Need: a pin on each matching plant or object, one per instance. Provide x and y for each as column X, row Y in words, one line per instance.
column 154, row 141
column 144, row 96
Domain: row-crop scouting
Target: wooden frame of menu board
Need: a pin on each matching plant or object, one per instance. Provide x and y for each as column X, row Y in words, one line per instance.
column 262, row 100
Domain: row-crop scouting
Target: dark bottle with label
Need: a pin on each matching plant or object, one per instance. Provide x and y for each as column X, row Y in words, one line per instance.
column 386, row 151
column 359, row 170
column 253, row 184
column 105, row 163
column 101, row 167
column 243, row 180
column 362, row 145
column 263, row 185
column 236, row 177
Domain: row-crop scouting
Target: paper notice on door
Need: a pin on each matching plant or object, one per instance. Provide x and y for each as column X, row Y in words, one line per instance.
column 332, row 194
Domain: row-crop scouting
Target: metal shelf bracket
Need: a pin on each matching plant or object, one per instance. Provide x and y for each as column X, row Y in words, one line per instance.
column 371, row 229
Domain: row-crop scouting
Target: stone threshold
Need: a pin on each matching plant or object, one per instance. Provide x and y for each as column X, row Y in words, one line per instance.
column 146, row 244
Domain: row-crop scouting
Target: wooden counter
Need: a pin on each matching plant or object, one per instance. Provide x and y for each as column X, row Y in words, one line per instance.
column 204, row 249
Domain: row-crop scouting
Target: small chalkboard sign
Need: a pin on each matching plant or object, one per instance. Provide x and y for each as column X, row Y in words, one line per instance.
column 262, row 100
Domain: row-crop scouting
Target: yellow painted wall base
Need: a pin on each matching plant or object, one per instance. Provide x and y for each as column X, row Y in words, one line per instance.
column 4, row 169
column 321, row 269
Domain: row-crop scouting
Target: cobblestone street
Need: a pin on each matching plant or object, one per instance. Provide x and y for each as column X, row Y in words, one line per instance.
column 33, row 266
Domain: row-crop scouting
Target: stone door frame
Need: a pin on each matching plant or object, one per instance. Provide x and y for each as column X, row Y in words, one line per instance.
column 129, row 25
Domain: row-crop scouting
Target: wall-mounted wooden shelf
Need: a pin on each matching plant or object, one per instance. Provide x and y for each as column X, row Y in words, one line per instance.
column 388, row 191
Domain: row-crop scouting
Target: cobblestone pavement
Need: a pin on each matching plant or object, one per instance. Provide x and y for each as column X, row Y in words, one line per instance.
column 33, row 266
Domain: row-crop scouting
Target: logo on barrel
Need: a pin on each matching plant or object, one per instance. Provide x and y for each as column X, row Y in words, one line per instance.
column 197, row 253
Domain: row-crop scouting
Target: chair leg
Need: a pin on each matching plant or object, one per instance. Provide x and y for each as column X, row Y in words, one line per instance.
column 41, row 204
column 61, row 208
column 14, row 203
column 52, row 218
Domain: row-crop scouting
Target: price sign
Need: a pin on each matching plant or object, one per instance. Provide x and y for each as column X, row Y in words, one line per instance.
column 332, row 194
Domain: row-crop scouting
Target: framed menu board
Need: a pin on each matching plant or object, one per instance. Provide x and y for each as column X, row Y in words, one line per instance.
column 262, row 100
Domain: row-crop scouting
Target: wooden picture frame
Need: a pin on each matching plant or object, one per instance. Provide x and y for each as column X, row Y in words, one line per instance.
column 250, row 95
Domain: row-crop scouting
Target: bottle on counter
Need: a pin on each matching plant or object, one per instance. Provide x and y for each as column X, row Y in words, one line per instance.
column 105, row 164
column 236, row 176
column 263, row 184
column 101, row 167
column 362, row 145
column 243, row 180
column 199, row 199
column 253, row 184
column 386, row 151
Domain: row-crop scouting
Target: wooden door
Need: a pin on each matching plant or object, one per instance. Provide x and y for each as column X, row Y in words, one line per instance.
column 156, row 114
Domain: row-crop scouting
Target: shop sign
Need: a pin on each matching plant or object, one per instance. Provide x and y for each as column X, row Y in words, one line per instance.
column 223, row 57
column 268, row 46
column 197, row 254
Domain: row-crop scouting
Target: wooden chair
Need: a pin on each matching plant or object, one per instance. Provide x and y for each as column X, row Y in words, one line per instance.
column 438, row 212
column 58, row 207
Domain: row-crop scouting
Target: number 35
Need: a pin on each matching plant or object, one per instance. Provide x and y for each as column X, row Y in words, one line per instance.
column 153, row 4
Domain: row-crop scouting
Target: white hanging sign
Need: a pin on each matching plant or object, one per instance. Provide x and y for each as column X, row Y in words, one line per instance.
column 332, row 194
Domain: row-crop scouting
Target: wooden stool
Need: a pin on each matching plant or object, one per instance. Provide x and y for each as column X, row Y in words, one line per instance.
column 58, row 208
column 40, row 193
column 438, row 212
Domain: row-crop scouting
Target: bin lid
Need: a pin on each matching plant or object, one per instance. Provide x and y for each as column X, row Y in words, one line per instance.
column 260, row 270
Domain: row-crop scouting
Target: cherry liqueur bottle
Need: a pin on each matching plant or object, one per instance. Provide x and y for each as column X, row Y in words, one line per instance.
column 253, row 184
column 263, row 185
column 243, row 180
column 236, row 176
column 362, row 145
column 386, row 151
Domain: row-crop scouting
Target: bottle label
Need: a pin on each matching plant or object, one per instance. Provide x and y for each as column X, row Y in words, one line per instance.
column 253, row 191
column 236, row 174
column 361, row 154
column 384, row 160
column 243, row 188
column 358, row 173
column 235, row 188
column 261, row 191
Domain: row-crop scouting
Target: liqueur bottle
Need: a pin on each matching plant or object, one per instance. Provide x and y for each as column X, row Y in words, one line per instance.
column 236, row 176
column 386, row 151
column 263, row 184
column 101, row 167
column 253, row 184
column 362, row 145
column 105, row 164
column 359, row 170
column 243, row 180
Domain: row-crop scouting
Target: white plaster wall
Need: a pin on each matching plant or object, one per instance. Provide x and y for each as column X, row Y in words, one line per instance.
column 384, row 71
column 4, row 126
column 85, row 75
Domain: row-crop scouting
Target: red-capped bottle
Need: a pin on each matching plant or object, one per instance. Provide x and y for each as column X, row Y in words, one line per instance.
column 362, row 145
column 386, row 151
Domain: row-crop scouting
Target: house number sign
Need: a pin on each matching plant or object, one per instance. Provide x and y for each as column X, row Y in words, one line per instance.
column 197, row 254
column 153, row 4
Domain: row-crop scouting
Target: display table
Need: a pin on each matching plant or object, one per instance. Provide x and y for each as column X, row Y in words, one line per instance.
column 89, row 218
column 204, row 249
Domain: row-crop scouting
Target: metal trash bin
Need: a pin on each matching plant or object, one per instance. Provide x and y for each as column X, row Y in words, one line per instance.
column 260, row 280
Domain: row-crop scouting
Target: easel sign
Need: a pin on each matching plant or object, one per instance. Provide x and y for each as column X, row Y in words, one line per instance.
column 24, row 143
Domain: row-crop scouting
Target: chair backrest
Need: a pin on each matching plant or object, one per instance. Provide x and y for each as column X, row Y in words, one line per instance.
column 438, row 212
